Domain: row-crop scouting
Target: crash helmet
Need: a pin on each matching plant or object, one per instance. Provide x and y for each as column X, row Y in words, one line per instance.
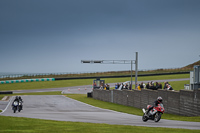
column 16, row 97
column 159, row 99
column 20, row 97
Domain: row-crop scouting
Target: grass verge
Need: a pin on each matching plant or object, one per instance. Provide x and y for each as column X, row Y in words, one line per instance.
column 25, row 125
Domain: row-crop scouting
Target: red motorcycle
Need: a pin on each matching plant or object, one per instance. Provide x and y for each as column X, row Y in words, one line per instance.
column 154, row 114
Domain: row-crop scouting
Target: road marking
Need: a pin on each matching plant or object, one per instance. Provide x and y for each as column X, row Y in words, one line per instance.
column 6, row 106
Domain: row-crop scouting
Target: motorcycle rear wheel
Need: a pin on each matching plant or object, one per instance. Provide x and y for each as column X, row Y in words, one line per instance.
column 157, row 117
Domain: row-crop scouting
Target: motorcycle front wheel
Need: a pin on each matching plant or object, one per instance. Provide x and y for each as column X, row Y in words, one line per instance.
column 14, row 110
column 144, row 118
column 157, row 117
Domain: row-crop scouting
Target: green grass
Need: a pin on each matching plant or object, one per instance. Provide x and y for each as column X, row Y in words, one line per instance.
column 79, row 82
column 25, row 125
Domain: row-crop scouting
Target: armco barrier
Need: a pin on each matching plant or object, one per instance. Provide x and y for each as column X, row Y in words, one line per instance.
column 26, row 80
column 183, row 102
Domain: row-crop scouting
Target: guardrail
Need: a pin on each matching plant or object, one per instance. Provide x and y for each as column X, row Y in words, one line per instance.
column 26, row 80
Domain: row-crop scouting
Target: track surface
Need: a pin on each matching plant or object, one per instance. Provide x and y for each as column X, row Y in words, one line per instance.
column 61, row 108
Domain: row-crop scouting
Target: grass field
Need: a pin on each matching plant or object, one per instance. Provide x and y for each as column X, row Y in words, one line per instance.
column 26, row 125
column 79, row 82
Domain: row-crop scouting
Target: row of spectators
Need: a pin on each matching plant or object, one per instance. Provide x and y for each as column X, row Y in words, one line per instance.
column 152, row 86
column 124, row 86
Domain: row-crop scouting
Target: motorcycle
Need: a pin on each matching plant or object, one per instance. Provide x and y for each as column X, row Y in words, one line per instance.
column 20, row 106
column 154, row 114
column 15, row 106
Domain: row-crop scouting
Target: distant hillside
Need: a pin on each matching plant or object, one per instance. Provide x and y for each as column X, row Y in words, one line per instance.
column 191, row 66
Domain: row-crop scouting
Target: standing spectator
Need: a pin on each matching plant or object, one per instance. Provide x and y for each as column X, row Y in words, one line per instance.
column 156, row 87
column 126, row 87
column 107, row 87
column 116, row 86
column 169, row 87
column 147, row 86
column 122, row 86
column 130, row 87
column 165, row 85
column 159, row 86
column 141, row 85
column 151, row 85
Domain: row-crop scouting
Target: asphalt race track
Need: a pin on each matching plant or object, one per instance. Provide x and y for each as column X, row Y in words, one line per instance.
column 61, row 108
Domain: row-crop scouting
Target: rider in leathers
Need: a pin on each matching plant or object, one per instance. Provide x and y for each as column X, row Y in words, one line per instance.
column 20, row 100
column 16, row 99
column 155, row 104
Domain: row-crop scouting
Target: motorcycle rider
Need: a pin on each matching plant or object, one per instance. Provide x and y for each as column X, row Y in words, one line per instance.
column 158, row 101
column 20, row 100
column 16, row 99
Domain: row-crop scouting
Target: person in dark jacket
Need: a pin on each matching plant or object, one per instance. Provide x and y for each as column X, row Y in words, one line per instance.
column 158, row 101
column 21, row 101
column 165, row 85
column 141, row 86
column 147, row 86
column 16, row 99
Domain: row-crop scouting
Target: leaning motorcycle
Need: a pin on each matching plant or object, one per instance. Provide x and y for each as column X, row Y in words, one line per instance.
column 15, row 106
column 154, row 114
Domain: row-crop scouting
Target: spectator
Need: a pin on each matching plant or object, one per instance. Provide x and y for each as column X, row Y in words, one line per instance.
column 136, row 85
column 147, row 86
column 122, row 86
column 130, row 87
column 116, row 86
column 159, row 86
column 151, row 85
column 141, row 85
column 165, row 85
column 107, row 87
column 169, row 87
column 126, row 87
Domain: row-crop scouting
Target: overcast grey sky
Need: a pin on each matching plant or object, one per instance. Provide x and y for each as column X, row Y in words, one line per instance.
column 55, row 35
